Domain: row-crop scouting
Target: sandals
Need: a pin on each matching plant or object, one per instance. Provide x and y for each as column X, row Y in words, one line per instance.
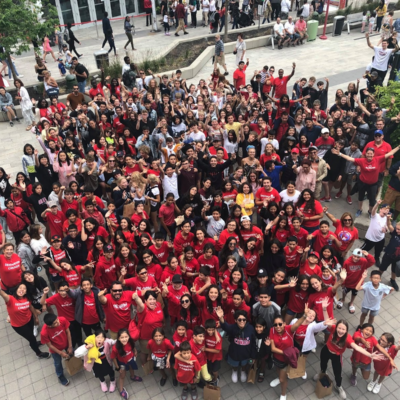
column 339, row 305
column 260, row 377
column 352, row 309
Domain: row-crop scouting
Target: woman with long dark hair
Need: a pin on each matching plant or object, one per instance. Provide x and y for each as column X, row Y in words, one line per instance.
column 310, row 210
column 91, row 229
column 128, row 32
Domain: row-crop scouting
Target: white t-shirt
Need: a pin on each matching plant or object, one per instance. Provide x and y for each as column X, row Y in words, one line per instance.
column 214, row 228
column 278, row 29
column 285, row 6
column 374, row 232
column 198, row 136
column 206, row 6
column 286, row 198
column 289, row 27
column 170, row 185
column 212, row 6
column 306, row 10
column 381, row 58
column 264, row 141
column 373, row 297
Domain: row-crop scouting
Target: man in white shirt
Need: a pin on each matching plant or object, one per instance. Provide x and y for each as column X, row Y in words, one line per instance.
column 195, row 134
column 206, row 9
column 285, row 7
column 306, row 9
column 290, row 31
column 382, row 55
column 170, row 182
column 279, row 33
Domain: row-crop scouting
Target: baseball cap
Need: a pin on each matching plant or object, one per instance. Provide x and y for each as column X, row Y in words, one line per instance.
column 292, row 138
column 177, row 278
column 378, row 132
column 120, row 153
column 245, row 218
column 55, row 238
column 313, row 148
column 117, row 172
column 262, row 272
column 52, row 204
column 357, row 252
column 295, row 150
column 108, row 248
column 313, row 253
column 324, row 130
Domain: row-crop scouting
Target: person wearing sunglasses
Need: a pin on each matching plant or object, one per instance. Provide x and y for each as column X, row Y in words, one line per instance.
column 141, row 283
column 242, row 338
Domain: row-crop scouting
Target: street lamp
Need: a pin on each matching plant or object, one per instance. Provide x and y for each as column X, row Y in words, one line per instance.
column 324, row 37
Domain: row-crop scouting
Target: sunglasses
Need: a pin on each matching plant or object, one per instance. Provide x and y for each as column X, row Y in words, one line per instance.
column 278, row 324
column 146, row 258
column 348, row 219
column 117, row 291
column 111, row 160
column 143, row 273
column 241, row 319
column 185, row 301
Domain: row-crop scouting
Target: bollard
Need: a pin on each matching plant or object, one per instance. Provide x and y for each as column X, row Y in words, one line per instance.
column 97, row 31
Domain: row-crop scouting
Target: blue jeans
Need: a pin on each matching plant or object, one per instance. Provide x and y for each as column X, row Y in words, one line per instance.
column 82, row 86
column 58, row 364
column 9, row 69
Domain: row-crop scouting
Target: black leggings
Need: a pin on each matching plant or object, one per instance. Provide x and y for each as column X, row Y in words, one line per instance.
column 148, row 12
column 370, row 190
column 26, row 332
column 72, row 48
column 194, row 18
column 101, row 371
column 89, row 328
column 368, row 245
column 336, row 360
column 76, row 333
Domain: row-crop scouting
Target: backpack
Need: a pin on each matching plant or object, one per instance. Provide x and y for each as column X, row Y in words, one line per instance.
column 66, row 34
column 129, row 79
column 212, row 17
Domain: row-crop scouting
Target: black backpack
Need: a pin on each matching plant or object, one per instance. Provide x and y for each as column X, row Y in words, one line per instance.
column 129, row 78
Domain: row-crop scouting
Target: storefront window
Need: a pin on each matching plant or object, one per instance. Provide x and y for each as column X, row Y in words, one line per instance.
column 115, row 8
column 84, row 10
column 99, row 5
column 130, row 6
column 66, row 11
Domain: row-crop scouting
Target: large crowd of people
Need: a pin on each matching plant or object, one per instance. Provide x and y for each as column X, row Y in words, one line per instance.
column 161, row 218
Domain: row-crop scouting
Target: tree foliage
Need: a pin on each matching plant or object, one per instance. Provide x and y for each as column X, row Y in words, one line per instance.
column 20, row 22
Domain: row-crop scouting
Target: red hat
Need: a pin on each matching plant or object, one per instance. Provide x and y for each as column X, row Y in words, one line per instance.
column 314, row 253
column 295, row 150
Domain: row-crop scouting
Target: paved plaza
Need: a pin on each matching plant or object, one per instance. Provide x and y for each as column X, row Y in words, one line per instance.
column 342, row 59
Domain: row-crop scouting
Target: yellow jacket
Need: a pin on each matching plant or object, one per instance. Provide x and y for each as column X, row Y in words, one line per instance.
column 246, row 201
column 94, row 351
column 380, row 12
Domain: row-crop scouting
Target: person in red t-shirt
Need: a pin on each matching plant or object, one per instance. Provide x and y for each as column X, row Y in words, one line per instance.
column 187, row 369
column 11, row 268
column 56, row 334
column 369, row 176
column 213, row 348
column 293, row 254
column 160, row 352
column 55, row 220
column 339, row 340
column 235, row 303
column 309, row 263
column 239, row 76
column 161, row 248
column 323, row 237
column 280, row 83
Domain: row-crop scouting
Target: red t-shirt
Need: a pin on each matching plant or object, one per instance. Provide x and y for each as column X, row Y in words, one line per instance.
column 160, row 350
column 192, row 266
column 212, row 263
column 186, row 372
column 252, row 261
column 292, row 257
column 136, row 284
column 65, row 306
column 383, row 367
column 72, row 277
column 162, row 253
column 307, row 270
column 333, row 347
column 199, row 248
column 297, row 300
column 300, row 334
column 56, row 336
column 148, row 320
column 118, row 312
column 311, row 213
column 240, row 76
column 273, row 195
column 379, row 151
column 281, row 234
column 370, row 169
column 345, row 235
column 58, row 255
column 56, row 223
column 223, row 237
column 230, row 308
column 357, row 357
column 178, row 339
column 330, row 281
column 321, row 240
column 66, row 224
column 155, row 271
column 129, row 354
column 280, row 86
column 106, row 273
column 90, row 315
column 90, row 238
column 281, row 342
column 10, row 271
column 280, row 294
column 180, row 242
column 211, row 343
column 301, row 236
column 65, row 206
column 19, row 311
column 168, row 213
column 129, row 265
column 315, row 303
column 356, row 269
column 198, row 352
column 247, row 234
column 230, row 287
column 169, row 273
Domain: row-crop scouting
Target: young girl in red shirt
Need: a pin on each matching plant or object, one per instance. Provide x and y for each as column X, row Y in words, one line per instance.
column 189, row 266
column 208, row 259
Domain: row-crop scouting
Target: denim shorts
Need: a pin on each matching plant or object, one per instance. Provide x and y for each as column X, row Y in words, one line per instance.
column 131, row 363
column 372, row 313
column 290, row 312
column 236, row 364
column 365, row 367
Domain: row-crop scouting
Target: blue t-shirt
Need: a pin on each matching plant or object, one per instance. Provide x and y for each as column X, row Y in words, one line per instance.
column 61, row 67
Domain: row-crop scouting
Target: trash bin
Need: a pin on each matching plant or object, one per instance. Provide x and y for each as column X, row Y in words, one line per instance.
column 315, row 16
column 312, row 30
column 70, row 82
column 101, row 58
column 338, row 23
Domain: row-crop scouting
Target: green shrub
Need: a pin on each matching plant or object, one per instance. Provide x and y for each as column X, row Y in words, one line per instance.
column 114, row 69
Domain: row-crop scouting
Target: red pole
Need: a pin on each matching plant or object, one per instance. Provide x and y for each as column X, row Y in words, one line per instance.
column 324, row 37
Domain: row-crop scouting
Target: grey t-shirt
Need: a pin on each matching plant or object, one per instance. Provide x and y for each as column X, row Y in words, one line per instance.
column 268, row 313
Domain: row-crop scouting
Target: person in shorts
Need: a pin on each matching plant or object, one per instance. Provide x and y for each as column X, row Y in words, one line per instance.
column 213, row 348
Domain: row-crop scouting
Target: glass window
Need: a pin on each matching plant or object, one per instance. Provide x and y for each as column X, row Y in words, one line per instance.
column 99, row 5
column 130, row 6
column 115, row 8
column 66, row 10
column 84, row 10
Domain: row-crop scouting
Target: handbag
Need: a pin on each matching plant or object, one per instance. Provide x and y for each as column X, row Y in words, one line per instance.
column 212, row 392
column 73, row 365
column 251, row 377
column 235, row 51
column 322, row 391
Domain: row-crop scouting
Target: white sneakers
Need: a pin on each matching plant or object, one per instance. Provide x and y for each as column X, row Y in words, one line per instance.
column 234, row 376
column 275, row 383
column 304, row 376
column 316, row 377
column 243, row 376
column 341, row 391
column 283, row 397
column 35, row 330
column 377, row 388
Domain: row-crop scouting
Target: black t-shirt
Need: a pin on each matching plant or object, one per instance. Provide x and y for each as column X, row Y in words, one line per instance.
column 80, row 69
column 393, row 247
column 79, row 253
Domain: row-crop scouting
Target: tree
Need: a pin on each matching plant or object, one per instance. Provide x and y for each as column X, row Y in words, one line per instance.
column 21, row 22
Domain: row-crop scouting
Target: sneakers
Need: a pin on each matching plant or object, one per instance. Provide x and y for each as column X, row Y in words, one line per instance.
column 64, row 381
column 358, row 213
column 186, row 33
column 394, row 285
column 316, row 377
column 43, row 356
column 341, row 391
column 353, row 380
column 11, row 123
column 371, row 385
column 35, row 330
column 104, row 387
column 348, row 199
column 124, row 394
column 304, row 376
column 226, row 73
column 283, row 397
column 163, row 381
column 328, row 199
column 234, row 376
column 112, row 386
column 243, row 376
column 275, row 383
column 377, row 388
column 322, row 199
column 193, row 393
column 369, row 214
column 176, row 34
column 338, row 195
